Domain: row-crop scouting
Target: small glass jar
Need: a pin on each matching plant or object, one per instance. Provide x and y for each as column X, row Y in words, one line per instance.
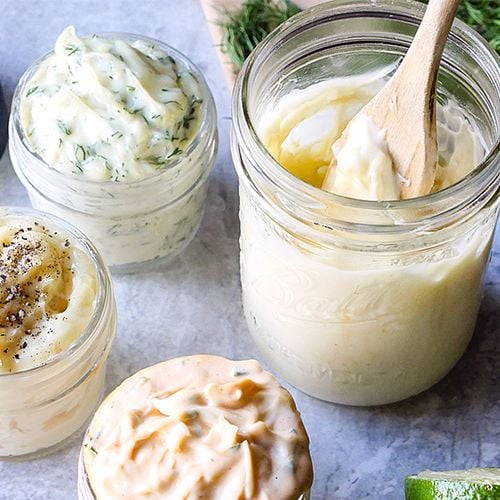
column 207, row 426
column 133, row 224
column 361, row 302
column 42, row 407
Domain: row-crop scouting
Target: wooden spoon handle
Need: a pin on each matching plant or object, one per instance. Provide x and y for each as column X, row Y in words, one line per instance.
column 425, row 52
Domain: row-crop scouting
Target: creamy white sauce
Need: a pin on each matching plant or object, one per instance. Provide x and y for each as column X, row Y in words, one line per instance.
column 47, row 293
column 108, row 109
column 363, row 167
column 133, row 132
column 50, row 382
column 310, row 128
column 356, row 327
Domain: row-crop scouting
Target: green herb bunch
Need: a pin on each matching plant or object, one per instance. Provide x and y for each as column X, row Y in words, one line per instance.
column 243, row 30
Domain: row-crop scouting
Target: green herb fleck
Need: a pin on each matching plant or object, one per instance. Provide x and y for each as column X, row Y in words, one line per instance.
column 192, row 414
column 175, row 152
column 167, row 59
column 32, row 90
column 178, row 104
column 130, row 89
column 64, row 128
column 71, row 49
column 81, row 152
column 77, row 165
column 132, row 111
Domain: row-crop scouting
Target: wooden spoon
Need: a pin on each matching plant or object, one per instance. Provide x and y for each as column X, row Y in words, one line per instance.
column 405, row 109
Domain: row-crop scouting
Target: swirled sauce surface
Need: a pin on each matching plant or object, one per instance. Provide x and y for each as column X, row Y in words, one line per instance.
column 309, row 128
column 110, row 110
column 47, row 293
column 198, row 427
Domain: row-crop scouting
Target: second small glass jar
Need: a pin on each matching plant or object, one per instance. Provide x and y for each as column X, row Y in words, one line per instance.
column 43, row 406
column 133, row 224
column 362, row 302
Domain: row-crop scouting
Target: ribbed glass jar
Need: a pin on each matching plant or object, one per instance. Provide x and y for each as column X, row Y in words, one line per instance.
column 133, row 224
column 362, row 302
column 45, row 405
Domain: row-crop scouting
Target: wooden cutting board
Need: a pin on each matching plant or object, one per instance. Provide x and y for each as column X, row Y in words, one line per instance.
column 212, row 9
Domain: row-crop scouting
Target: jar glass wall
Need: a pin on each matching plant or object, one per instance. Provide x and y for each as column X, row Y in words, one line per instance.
column 45, row 405
column 351, row 301
column 133, row 224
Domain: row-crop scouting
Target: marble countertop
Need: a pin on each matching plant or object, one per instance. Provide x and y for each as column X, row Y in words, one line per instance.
column 194, row 306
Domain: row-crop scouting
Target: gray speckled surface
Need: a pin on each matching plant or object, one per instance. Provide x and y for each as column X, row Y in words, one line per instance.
column 194, row 306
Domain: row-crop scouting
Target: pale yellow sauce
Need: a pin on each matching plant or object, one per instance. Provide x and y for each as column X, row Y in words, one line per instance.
column 308, row 129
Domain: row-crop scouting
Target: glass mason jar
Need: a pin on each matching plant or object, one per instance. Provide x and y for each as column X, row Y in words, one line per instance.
column 44, row 406
column 362, row 302
column 133, row 224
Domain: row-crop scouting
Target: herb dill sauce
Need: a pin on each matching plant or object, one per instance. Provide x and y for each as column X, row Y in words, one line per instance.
column 109, row 109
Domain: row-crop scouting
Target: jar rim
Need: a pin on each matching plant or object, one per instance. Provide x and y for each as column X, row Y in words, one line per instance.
column 410, row 11
column 207, row 106
column 103, row 280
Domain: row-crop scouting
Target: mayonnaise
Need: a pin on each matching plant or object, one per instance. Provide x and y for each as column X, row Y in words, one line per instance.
column 57, row 322
column 197, row 427
column 354, row 328
column 351, row 303
column 310, row 128
column 47, row 293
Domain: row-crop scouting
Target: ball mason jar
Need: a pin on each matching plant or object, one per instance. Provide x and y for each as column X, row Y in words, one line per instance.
column 361, row 302
column 44, row 406
column 133, row 224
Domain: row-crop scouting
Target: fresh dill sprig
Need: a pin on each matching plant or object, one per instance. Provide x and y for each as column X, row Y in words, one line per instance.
column 483, row 16
column 244, row 29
